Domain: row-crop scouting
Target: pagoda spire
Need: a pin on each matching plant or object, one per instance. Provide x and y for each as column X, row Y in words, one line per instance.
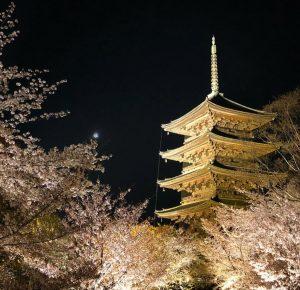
column 214, row 71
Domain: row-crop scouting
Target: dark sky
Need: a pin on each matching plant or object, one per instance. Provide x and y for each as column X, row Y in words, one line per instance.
column 132, row 65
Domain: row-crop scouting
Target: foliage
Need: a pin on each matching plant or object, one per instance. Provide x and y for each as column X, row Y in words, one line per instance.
column 59, row 227
column 150, row 256
column 285, row 129
column 255, row 248
column 42, row 194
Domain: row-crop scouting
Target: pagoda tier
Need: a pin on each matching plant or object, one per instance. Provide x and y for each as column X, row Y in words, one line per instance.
column 200, row 207
column 235, row 119
column 184, row 210
column 203, row 182
column 209, row 147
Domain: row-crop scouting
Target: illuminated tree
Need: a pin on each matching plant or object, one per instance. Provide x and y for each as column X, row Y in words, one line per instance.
column 52, row 214
column 148, row 257
column 256, row 247
column 59, row 226
column 285, row 129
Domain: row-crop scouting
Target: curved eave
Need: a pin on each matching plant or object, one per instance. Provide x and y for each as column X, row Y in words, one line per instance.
column 257, row 149
column 246, row 107
column 174, row 154
column 184, row 210
column 261, row 116
column 254, row 114
column 177, row 125
column 248, row 175
column 202, row 173
column 209, row 171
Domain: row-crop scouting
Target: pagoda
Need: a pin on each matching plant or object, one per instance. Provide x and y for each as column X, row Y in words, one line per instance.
column 220, row 154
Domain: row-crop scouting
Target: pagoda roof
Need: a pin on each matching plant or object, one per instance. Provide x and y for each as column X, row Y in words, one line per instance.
column 211, row 172
column 241, row 148
column 211, row 109
column 199, row 206
column 185, row 209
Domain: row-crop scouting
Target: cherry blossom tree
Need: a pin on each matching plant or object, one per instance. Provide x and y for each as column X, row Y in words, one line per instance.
column 255, row 248
column 52, row 213
column 59, row 226
column 285, row 129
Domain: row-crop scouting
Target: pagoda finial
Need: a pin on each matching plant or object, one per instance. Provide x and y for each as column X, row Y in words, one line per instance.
column 214, row 70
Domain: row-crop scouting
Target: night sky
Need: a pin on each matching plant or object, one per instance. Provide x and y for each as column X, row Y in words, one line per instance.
column 133, row 65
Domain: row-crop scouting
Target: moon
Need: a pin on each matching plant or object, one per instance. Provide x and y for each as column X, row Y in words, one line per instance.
column 96, row 135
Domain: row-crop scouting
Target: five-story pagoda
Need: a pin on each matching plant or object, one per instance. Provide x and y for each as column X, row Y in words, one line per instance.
column 219, row 153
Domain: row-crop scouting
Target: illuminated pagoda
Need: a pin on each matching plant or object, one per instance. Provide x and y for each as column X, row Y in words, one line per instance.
column 219, row 153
